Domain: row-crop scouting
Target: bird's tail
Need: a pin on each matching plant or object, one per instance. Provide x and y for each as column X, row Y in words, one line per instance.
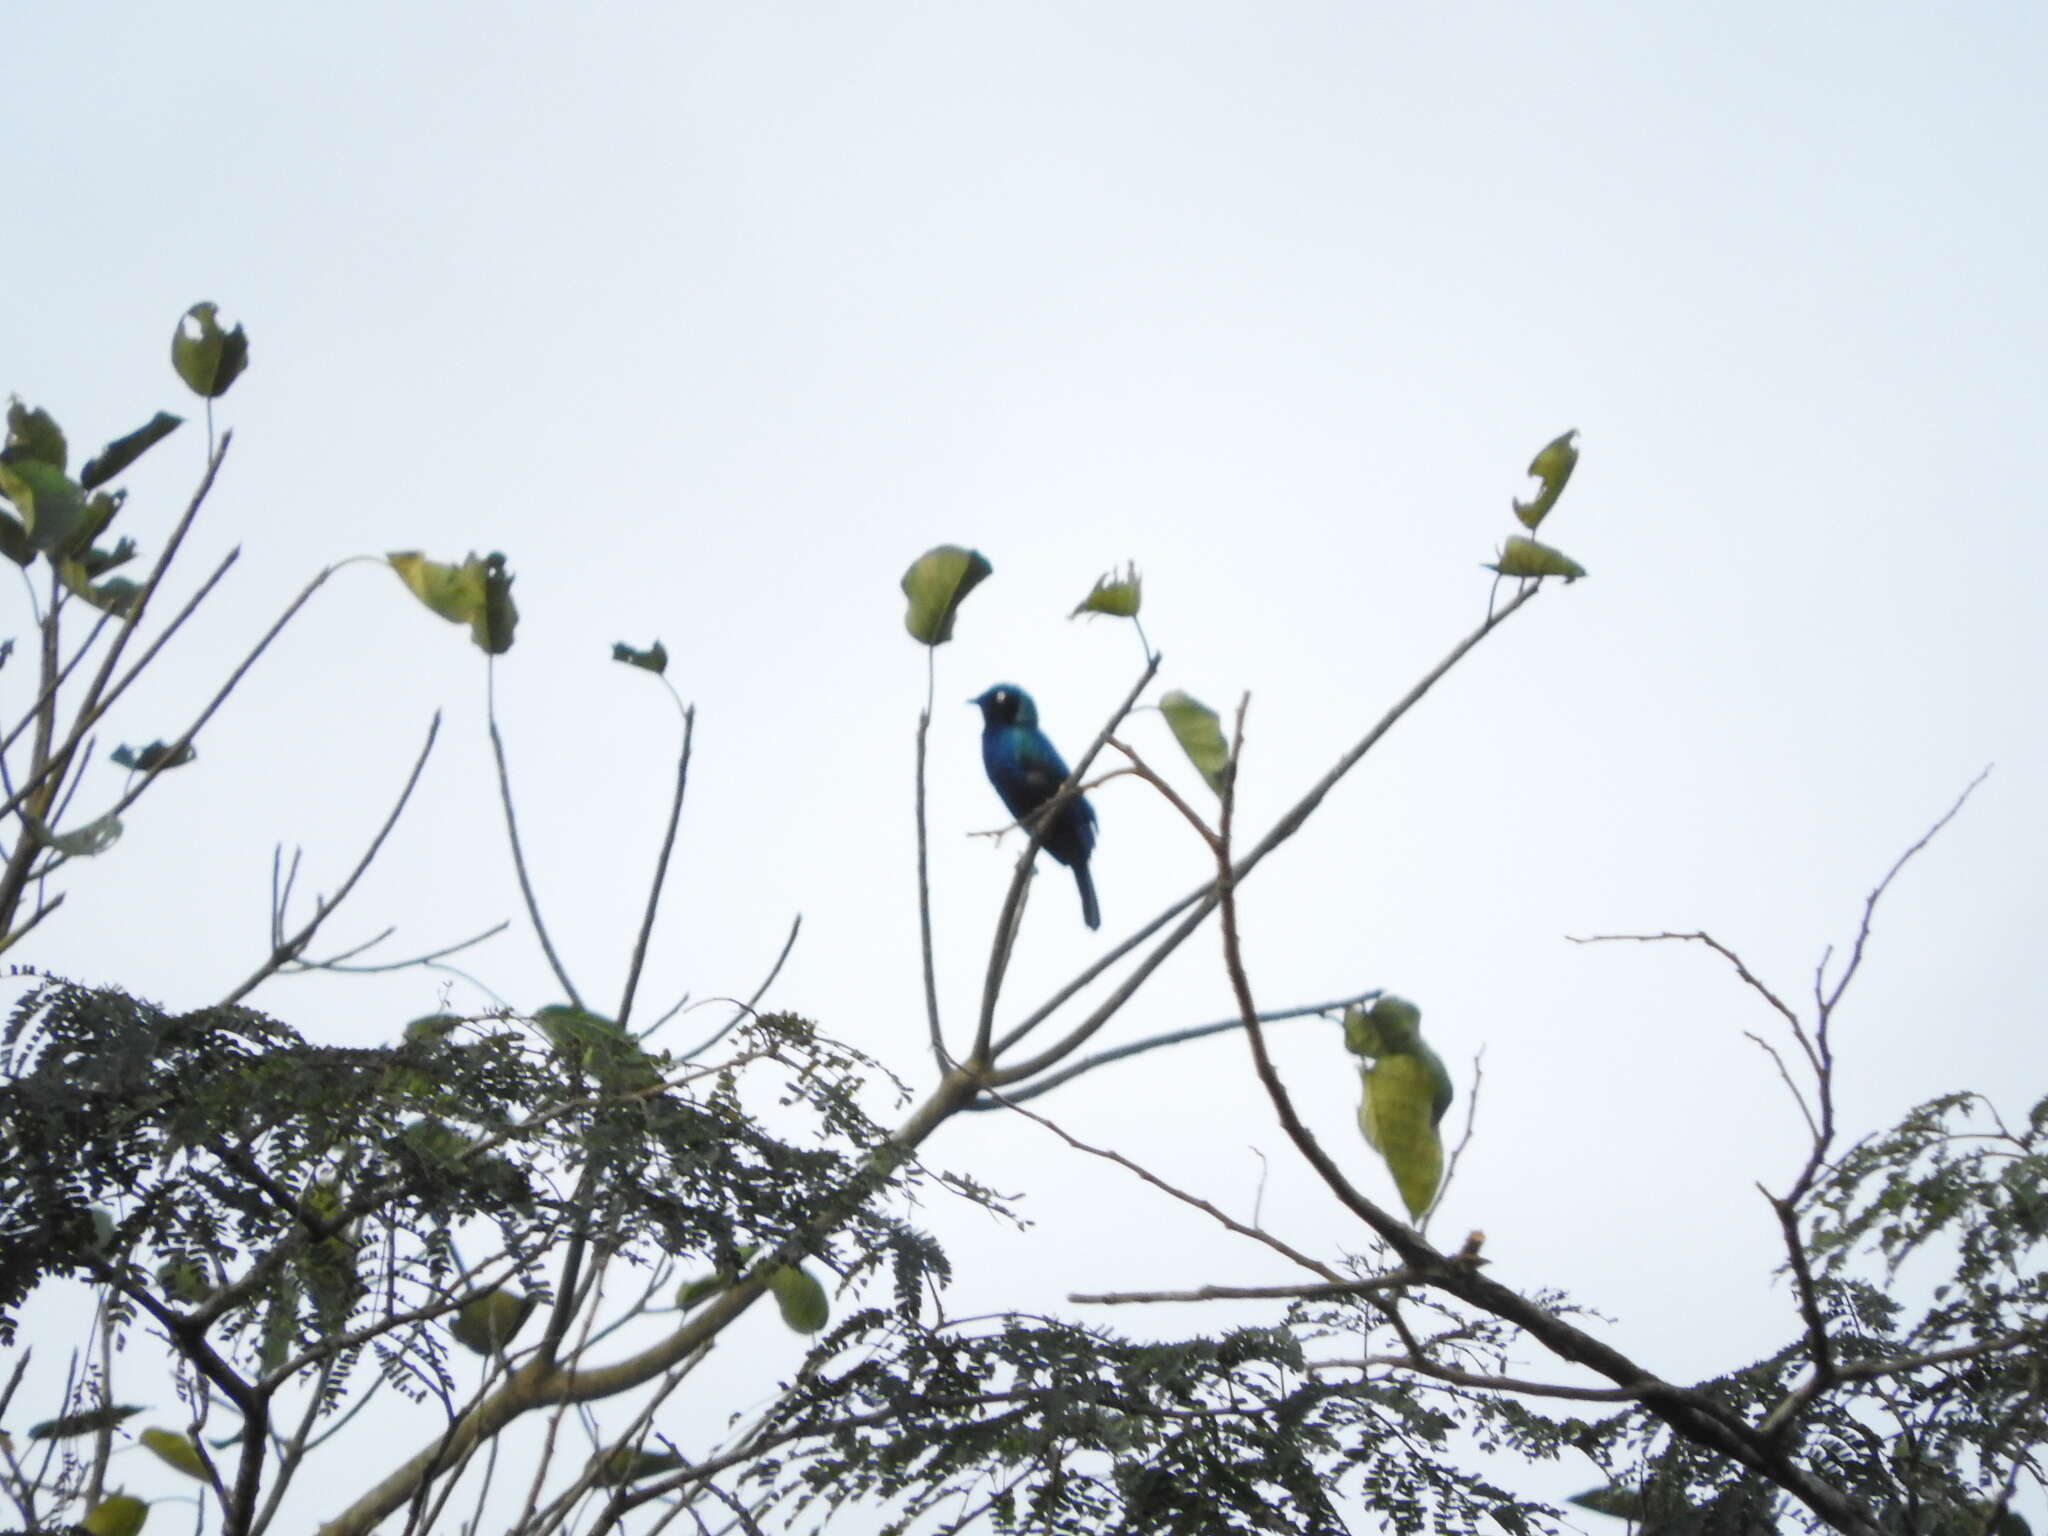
column 1090, row 913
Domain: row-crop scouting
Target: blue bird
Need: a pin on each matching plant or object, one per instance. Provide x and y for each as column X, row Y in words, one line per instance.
column 1026, row 770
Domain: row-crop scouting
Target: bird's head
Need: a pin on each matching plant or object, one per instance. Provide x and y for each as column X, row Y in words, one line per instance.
column 1006, row 704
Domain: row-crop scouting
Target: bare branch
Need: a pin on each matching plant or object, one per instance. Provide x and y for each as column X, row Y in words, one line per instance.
column 1006, row 921
column 1452, row 1375
column 924, row 880
column 338, row 962
column 1087, row 1064
column 668, row 843
column 1335, row 1290
column 540, row 927
column 746, row 1008
column 1203, row 899
column 1257, row 1234
column 1870, row 902
column 292, row 947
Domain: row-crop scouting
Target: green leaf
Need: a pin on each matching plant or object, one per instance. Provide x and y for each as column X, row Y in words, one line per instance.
column 14, row 539
column 280, row 1326
column 491, row 1321
column 624, row 1464
column 936, row 584
column 53, row 509
column 32, row 434
column 653, row 659
column 600, row 1046
column 1361, row 1034
column 158, row 756
column 118, row 1514
column 694, row 1292
column 501, row 614
column 1395, row 1028
column 1552, row 466
column 1406, row 1092
column 1200, row 734
column 96, row 836
column 184, row 1280
column 72, row 1425
column 431, row 1027
column 97, row 562
column 1623, row 1503
column 329, row 1265
column 123, row 451
column 1525, row 557
column 1394, row 1114
column 1120, row 598
column 477, row 592
column 207, row 358
column 801, row 1298
column 176, row 1449
column 117, row 596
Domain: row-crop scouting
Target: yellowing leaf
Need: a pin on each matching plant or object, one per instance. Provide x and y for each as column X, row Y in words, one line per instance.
column 936, row 584
column 1552, row 466
column 1120, row 598
column 1395, row 1115
column 1394, row 1028
column 176, row 1449
column 801, row 1298
column 491, row 1321
column 117, row 1515
column 477, row 592
column 1200, row 734
column 207, row 358
column 1525, row 557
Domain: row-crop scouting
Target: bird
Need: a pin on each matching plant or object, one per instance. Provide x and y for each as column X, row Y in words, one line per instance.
column 1026, row 770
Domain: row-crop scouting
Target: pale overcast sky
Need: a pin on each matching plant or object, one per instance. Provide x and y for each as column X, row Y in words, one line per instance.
column 713, row 318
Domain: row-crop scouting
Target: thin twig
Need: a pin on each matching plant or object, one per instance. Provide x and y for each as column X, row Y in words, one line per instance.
column 1335, row 1290
column 1053, row 1080
column 1452, row 1375
column 746, row 1009
column 292, row 947
column 336, row 962
column 50, row 688
column 1464, row 1141
column 924, row 879
column 1006, row 921
column 1871, row 901
column 40, row 913
column 540, row 928
column 93, row 705
column 1144, row 771
column 1203, row 899
column 1257, row 1234
column 668, row 843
